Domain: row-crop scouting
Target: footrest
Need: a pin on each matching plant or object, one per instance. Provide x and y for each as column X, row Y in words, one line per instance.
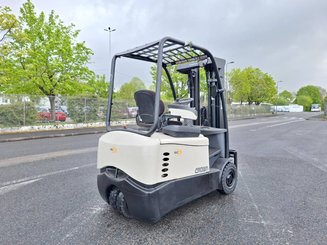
column 181, row 131
column 214, row 151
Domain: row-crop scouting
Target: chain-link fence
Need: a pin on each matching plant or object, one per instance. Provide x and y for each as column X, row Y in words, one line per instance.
column 239, row 111
column 27, row 110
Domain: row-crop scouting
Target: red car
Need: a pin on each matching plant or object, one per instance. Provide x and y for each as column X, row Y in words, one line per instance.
column 45, row 115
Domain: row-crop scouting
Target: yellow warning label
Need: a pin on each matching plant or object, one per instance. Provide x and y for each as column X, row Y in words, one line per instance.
column 178, row 152
column 113, row 149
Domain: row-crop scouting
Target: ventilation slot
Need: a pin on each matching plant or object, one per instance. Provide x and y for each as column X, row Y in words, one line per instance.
column 165, row 164
column 164, row 170
column 164, row 175
column 165, row 159
column 166, row 153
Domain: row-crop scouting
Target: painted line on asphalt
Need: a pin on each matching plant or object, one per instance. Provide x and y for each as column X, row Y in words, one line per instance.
column 279, row 124
column 307, row 158
column 40, row 176
column 258, row 123
column 44, row 156
column 12, row 187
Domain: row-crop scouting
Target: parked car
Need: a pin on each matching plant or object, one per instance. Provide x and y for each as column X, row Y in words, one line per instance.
column 315, row 107
column 45, row 115
column 132, row 111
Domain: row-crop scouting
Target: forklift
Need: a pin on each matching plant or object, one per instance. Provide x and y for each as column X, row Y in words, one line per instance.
column 168, row 156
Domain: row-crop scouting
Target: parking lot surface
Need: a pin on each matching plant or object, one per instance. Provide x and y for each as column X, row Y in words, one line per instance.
column 48, row 192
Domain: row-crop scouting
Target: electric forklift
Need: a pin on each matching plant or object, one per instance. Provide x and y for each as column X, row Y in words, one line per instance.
column 168, row 156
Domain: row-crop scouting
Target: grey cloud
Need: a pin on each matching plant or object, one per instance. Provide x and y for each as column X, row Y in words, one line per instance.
column 284, row 38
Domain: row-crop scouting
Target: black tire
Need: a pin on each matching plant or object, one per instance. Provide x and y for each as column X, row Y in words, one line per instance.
column 112, row 199
column 122, row 205
column 228, row 179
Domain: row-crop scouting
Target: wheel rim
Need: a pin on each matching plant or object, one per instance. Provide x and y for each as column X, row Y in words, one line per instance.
column 230, row 178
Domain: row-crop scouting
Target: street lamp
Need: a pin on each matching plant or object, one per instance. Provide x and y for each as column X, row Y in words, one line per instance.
column 110, row 30
column 226, row 81
column 277, row 94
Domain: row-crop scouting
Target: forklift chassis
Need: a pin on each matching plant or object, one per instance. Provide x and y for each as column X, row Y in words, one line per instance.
column 151, row 202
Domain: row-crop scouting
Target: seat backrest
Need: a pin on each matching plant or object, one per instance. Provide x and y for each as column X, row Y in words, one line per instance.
column 145, row 100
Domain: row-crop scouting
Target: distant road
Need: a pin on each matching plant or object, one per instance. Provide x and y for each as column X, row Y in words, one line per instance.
column 48, row 192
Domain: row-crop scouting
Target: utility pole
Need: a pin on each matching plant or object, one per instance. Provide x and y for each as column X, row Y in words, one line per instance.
column 277, row 95
column 226, row 80
column 110, row 30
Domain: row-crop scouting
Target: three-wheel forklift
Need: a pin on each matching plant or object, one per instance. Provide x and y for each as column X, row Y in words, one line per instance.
column 169, row 156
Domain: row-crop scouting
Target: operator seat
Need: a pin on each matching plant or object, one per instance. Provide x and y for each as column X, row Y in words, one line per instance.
column 145, row 100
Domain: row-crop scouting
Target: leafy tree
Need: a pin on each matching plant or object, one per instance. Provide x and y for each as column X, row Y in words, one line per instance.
column 43, row 57
column 97, row 86
column 127, row 90
column 286, row 95
column 252, row 85
column 282, row 101
column 304, row 100
column 8, row 22
column 311, row 91
column 240, row 85
column 179, row 81
column 323, row 93
column 284, row 98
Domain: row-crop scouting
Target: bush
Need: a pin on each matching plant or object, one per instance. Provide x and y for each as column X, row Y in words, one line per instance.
column 88, row 109
column 304, row 100
column 17, row 114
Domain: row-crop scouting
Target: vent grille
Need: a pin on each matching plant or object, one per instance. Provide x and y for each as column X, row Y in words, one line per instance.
column 165, row 164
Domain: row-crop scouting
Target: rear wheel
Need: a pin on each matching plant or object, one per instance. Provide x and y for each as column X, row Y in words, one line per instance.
column 122, row 205
column 228, row 179
column 112, row 200
column 117, row 200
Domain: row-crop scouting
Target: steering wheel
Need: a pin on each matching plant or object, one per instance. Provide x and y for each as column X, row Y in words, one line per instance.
column 184, row 101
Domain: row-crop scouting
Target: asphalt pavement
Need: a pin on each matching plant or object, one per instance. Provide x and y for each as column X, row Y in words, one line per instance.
column 48, row 192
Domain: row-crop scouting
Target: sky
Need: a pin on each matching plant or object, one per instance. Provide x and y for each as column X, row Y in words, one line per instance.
column 287, row 39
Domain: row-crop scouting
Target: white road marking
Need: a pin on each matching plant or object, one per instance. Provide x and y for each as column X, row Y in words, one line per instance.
column 15, row 186
column 257, row 123
column 279, row 124
column 44, row 175
column 44, row 156
column 262, row 221
column 84, row 218
column 307, row 158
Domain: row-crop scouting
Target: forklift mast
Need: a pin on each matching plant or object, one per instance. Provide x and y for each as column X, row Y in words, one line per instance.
column 214, row 111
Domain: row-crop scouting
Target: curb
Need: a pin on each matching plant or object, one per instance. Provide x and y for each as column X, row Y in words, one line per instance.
column 49, row 136
column 36, row 137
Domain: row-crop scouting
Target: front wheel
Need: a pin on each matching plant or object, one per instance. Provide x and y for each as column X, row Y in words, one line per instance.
column 228, row 179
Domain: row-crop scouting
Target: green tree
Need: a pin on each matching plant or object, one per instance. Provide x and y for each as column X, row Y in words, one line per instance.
column 311, row 91
column 304, row 100
column 286, row 95
column 43, row 56
column 97, row 86
column 127, row 90
column 325, row 106
column 179, row 81
column 284, row 98
column 8, row 22
column 252, row 85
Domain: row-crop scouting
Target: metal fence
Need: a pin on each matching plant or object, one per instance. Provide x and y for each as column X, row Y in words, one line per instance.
column 32, row 110
column 248, row 111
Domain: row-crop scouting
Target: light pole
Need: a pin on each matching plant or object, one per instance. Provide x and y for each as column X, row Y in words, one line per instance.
column 277, row 94
column 110, row 30
column 226, row 81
